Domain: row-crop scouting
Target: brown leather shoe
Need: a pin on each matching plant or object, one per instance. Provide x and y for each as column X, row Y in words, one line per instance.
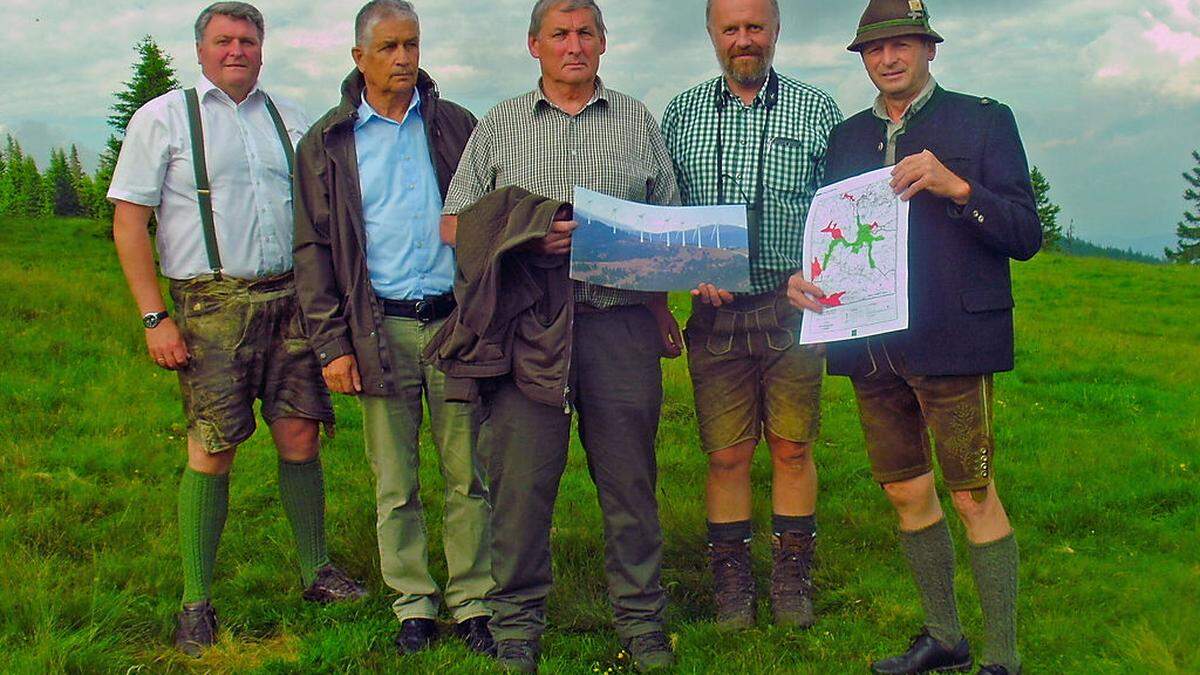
column 196, row 629
column 791, row 579
column 733, row 584
column 333, row 585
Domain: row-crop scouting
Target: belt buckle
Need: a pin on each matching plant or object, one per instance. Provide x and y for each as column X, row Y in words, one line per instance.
column 424, row 311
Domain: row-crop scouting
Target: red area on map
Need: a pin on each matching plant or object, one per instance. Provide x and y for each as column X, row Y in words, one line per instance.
column 848, row 197
column 816, row 270
column 833, row 231
column 875, row 227
column 834, row 300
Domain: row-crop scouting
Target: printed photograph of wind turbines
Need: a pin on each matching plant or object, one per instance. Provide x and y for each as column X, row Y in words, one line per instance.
column 623, row 244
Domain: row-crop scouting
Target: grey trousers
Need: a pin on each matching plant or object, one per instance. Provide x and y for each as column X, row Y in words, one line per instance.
column 617, row 384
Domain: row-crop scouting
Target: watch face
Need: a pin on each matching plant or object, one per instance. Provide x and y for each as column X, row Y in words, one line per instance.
column 152, row 320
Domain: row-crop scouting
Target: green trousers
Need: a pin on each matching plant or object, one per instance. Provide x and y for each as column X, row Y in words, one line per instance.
column 617, row 382
column 391, row 426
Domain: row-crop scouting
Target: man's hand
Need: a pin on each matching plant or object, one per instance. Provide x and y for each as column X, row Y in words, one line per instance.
column 803, row 293
column 711, row 295
column 926, row 172
column 668, row 327
column 166, row 345
column 341, row 375
column 558, row 242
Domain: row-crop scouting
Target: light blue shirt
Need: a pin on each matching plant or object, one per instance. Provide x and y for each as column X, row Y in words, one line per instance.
column 402, row 206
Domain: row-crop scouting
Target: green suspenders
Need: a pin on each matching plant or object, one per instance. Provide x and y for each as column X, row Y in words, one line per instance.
column 203, row 189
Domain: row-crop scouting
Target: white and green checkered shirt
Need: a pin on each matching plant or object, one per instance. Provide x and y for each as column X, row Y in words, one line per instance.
column 797, row 129
column 612, row 146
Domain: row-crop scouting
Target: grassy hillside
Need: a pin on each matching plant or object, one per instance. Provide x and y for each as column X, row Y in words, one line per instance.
column 1097, row 462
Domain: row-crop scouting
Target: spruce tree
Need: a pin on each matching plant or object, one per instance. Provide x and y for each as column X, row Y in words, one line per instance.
column 6, row 185
column 153, row 76
column 1188, row 230
column 80, row 182
column 1047, row 210
column 60, row 195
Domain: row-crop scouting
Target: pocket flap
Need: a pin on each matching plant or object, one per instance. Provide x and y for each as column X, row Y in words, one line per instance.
column 987, row 299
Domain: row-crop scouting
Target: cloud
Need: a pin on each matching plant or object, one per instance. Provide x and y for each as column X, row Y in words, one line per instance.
column 1156, row 52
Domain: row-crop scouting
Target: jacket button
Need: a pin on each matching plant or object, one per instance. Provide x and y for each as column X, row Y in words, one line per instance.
column 372, row 333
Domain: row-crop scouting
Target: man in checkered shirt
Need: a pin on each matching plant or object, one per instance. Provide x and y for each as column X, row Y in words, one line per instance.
column 572, row 130
column 754, row 137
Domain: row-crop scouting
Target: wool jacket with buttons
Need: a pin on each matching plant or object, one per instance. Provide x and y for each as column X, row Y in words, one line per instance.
column 960, row 288
column 339, row 309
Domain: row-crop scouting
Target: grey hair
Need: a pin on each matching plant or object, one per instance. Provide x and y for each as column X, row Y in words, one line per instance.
column 375, row 10
column 544, row 6
column 774, row 7
column 234, row 10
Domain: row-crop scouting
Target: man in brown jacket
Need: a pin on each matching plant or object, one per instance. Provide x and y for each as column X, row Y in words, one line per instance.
column 374, row 282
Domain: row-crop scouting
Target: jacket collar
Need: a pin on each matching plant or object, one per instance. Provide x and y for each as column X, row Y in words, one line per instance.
column 352, row 97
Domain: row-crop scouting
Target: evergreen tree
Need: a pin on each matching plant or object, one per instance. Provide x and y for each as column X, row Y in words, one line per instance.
column 153, row 76
column 6, row 185
column 80, row 182
column 59, row 189
column 1047, row 210
column 1188, row 231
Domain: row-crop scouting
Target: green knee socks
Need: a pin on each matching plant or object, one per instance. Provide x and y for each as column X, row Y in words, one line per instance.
column 930, row 554
column 302, row 489
column 995, row 567
column 203, row 504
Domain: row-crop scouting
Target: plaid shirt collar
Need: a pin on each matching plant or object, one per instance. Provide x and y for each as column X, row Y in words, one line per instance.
column 760, row 99
column 540, row 102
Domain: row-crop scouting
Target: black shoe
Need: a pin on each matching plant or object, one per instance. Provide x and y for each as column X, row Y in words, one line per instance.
column 196, row 629
column 791, row 579
column 927, row 655
column 475, row 633
column 733, row 584
column 994, row 669
column 333, row 585
column 415, row 635
column 518, row 656
column 651, row 651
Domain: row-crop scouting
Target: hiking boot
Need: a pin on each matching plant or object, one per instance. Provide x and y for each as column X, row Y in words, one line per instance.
column 927, row 655
column 415, row 635
column 791, row 579
column 651, row 651
column 475, row 633
column 195, row 629
column 333, row 585
column 733, row 584
column 518, row 656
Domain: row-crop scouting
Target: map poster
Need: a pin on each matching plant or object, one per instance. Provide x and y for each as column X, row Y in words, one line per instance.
column 856, row 250
column 639, row 247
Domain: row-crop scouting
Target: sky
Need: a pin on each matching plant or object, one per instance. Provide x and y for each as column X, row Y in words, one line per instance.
column 1106, row 92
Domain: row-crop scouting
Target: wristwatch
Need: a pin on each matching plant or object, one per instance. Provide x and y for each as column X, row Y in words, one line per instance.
column 152, row 319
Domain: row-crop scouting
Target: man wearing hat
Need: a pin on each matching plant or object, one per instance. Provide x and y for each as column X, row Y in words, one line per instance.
column 959, row 162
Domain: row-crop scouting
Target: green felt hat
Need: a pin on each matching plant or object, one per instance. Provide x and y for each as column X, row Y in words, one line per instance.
column 893, row 18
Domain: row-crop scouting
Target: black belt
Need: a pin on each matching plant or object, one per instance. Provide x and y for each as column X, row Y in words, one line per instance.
column 423, row 310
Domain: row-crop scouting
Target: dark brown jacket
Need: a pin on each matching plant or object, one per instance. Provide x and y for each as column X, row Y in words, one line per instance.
column 340, row 311
column 515, row 310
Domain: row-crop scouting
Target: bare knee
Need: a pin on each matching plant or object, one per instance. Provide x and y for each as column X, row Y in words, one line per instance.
column 791, row 455
column 975, row 504
column 297, row 440
column 734, row 461
column 908, row 494
column 201, row 460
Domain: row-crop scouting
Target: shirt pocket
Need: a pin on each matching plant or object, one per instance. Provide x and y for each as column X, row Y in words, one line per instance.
column 789, row 170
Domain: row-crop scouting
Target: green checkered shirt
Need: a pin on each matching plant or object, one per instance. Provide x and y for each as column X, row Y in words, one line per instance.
column 613, row 146
column 796, row 135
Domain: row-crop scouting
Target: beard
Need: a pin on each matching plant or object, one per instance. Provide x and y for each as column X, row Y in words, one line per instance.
column 748, row 72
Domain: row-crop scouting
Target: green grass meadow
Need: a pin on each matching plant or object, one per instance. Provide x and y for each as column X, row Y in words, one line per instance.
column 1098, row 462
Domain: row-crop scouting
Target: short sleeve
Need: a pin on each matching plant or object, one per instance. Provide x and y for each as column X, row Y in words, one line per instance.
column 145, row 154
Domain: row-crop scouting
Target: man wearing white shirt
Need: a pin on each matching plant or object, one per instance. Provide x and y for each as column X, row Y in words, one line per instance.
column 214, row 165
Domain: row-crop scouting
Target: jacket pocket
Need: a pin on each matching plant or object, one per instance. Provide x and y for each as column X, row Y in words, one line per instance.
column 976, row 300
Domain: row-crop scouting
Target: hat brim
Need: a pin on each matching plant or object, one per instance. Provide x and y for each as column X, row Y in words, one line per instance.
column 891, row 32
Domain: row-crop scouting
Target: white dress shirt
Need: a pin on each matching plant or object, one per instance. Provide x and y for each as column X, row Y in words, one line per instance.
column 247, row 169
